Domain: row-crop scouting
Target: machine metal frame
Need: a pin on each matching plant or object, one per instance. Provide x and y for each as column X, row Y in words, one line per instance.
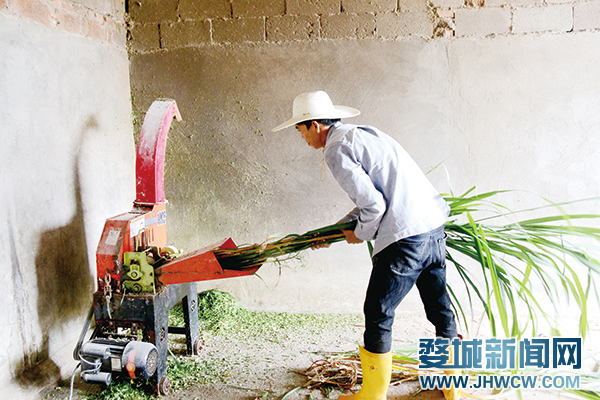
column 139, row 277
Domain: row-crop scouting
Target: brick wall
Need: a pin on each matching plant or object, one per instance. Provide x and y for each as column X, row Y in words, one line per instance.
column 105, row 25
column 167, row 24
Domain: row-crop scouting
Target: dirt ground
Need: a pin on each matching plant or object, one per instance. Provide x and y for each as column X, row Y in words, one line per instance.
column 263, row 369
column 272, row 369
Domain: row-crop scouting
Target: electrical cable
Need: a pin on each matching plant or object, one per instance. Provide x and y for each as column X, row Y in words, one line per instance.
column 72, row 380
column 93, row 371
column 96, row 365
column 86, row 326
column 174, row 357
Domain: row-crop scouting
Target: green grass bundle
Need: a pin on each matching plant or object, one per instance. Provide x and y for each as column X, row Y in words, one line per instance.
column 248, row 256
column 516, row 258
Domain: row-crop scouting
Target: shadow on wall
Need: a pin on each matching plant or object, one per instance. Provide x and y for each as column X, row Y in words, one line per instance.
column 64, row 283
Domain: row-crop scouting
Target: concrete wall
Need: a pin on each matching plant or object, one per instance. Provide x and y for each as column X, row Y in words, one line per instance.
column 506, row 94
column 66, row 165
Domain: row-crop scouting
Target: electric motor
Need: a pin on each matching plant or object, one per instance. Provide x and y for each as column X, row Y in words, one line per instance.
column 100, row 358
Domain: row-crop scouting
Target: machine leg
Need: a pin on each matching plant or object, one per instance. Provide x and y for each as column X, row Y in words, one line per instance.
column 190, row 316
column 159, row 336
column 164, row 301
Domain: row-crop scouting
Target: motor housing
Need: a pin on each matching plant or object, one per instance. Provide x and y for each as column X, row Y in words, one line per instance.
column 101, row 358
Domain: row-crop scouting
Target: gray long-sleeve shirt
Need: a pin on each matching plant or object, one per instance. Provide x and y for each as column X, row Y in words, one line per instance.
column 393, row 198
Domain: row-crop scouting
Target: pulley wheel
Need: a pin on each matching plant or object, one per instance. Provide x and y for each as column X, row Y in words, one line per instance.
column 164, row 386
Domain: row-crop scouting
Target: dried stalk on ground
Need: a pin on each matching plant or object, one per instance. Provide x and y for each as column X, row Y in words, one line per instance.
column 346, row 373
column 343, row 374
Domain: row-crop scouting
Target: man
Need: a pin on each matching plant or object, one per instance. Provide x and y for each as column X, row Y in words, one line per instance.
column 399, row 211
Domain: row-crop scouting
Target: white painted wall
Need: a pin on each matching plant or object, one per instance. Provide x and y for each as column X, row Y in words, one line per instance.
column 66, row 164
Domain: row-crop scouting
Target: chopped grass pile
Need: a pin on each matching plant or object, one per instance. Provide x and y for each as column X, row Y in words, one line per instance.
column 134, row 390
column 220, row 314
column 183, row 372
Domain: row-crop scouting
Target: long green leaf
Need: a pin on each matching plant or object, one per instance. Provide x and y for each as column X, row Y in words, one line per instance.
column 538, row 247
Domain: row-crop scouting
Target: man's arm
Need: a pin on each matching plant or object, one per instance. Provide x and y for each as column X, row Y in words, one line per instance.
column 354, row 180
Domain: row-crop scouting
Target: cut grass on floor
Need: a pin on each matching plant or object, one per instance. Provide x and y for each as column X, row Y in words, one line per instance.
column 219, row 314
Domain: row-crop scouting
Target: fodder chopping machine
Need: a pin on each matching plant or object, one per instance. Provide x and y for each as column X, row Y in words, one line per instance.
column 140, row 277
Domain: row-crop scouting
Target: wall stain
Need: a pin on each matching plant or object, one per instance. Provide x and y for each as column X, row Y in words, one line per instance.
column 64, row 281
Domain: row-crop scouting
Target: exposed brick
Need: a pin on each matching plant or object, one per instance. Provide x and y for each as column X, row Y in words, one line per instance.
column 448, row 3
column 555, row 18
column 204, row 9
column 307, row 7
column 35, row 10
column 239, row 30
column 184, row 33
column 413, row 5
column 514, row 3
column 445, row 13
column 118, row 9
column 586, row 16
column 144, row 37
column 95, row 27
column 75, row 7
column 443, row 28
column 366, row 6
column 116, row 33
column 292, row 27
column 70, row 16
column 145, row 11
column 67, row 20
column 399, row 24
column 482, row 21
column 443, row 22
column 65, row 5
column 253, row 8
column 354, row 26
column 105, row 7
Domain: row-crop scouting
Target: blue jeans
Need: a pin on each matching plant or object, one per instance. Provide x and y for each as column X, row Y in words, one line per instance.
column 419, row 259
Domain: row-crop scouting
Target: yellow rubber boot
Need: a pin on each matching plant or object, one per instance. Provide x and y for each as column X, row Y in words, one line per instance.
column 377, row 371
column 452, row 393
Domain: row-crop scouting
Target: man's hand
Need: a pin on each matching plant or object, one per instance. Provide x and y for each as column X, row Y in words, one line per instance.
column 321, row 246
column 351, row 237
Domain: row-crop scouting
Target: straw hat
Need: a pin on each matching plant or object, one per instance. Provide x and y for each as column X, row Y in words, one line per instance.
column 316, row 105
